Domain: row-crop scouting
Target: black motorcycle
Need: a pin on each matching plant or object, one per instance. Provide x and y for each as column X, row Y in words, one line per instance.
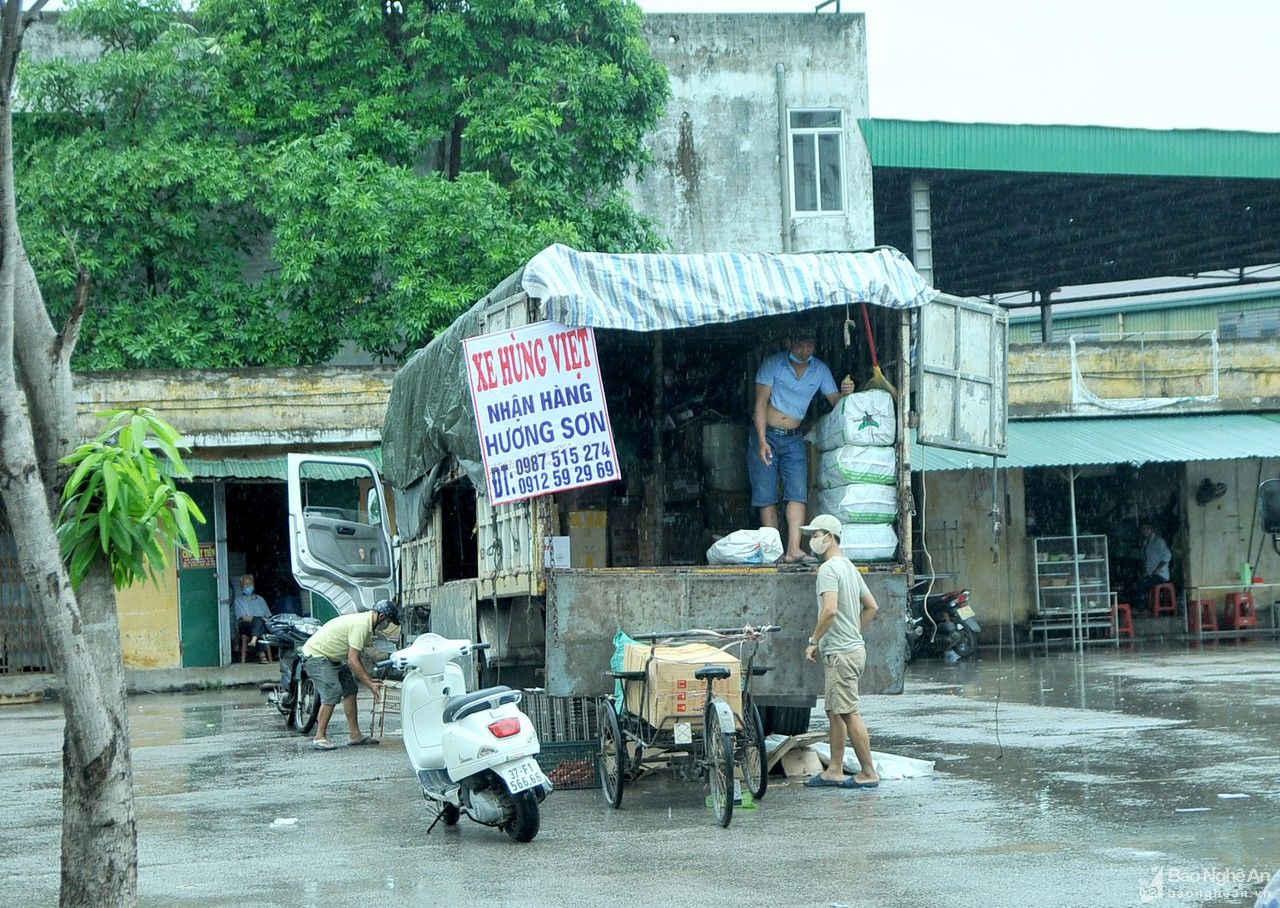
column 295, row 694
column 945, row 623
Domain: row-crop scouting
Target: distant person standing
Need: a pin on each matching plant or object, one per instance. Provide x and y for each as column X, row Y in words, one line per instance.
column 251, row 617
column 845, row 608
column 1155, row 561
column 786, row 384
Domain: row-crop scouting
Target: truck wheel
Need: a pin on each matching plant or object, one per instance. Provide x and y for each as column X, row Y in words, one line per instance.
column 786, row 720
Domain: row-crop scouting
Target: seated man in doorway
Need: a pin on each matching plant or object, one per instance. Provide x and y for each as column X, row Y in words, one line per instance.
column 1155, row 562
column 786, row 384
column 251, row 618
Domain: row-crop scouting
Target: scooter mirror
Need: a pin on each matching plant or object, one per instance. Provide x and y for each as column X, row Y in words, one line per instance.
column 1269, row 504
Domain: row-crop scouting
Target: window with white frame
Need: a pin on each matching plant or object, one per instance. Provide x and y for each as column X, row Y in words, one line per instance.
column 817, row 177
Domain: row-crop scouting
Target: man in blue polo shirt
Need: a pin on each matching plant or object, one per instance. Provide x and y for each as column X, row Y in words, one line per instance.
column 786, row 383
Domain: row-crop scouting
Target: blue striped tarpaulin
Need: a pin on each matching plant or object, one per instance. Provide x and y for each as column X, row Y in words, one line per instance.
column 661, row 292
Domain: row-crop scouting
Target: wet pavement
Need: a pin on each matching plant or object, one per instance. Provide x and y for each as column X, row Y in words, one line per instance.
column 1060, row 781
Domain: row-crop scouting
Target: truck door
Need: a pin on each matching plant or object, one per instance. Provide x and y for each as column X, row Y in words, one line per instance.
column 961, row 383
column 339, row 539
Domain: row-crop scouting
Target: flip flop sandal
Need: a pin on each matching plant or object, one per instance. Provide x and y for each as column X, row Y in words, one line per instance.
column 323, row 744
column 820, row 782
column 366, row 741
column 851, row 782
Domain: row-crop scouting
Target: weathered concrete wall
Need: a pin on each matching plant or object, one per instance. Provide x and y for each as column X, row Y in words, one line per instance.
column 1248, row 375
column 47, row 40
column 1219, row 533
column 248, row 407
column 716, row 181
column 149, row 630
column 958, row 532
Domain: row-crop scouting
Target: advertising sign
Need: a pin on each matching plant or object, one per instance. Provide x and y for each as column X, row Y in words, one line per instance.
column 540, row 411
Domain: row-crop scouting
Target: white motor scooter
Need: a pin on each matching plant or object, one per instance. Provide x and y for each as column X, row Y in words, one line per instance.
column 473, row 752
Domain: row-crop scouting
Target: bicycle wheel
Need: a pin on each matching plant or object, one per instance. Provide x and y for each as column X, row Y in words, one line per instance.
column 717, row 749
column 750, row 750
column 613, row 752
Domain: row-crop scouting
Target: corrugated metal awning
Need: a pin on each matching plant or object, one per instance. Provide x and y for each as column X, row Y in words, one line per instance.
column 275, row 468
column 662, row 292
column 1134, row 440
column 935, row 145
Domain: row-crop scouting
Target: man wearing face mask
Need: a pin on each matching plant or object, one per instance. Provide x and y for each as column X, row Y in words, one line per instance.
column 251, row 617
column 786, row 384
column 845, row 608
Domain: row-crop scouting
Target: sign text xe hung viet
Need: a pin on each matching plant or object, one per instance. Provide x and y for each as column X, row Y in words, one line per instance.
column 540, row 410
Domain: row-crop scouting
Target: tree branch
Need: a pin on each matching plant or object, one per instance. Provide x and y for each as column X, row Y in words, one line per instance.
column 32, row 14
column 65, row 345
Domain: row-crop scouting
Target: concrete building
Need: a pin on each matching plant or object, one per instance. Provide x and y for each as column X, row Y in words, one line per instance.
column 239, row 425
column 760, row 149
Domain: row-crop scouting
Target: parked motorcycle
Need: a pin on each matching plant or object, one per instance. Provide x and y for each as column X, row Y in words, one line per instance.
column 295, row 694
column 945, row 623
column 473, row 752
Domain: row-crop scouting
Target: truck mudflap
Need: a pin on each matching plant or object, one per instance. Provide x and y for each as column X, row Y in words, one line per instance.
column 586, row 609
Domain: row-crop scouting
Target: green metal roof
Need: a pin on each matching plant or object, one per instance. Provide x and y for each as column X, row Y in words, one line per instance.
column 1132, row 440
column 1110, row 307
column 934, row 145
column 275, row 468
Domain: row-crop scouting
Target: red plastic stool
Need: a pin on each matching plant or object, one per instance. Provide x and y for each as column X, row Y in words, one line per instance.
column 1122, row 620
column 1162, row 600
column 1201, row 616
column 1240, row 611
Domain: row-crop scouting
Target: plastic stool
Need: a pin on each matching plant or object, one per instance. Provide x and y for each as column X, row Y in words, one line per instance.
column 1122, row 620
column 1201, row 616
column 1162, row 600
column 1240, row 611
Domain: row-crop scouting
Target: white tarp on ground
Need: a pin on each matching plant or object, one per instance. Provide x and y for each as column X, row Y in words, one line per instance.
column 889, row 766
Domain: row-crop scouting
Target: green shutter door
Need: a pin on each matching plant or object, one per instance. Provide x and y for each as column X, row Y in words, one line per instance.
column 198, row 589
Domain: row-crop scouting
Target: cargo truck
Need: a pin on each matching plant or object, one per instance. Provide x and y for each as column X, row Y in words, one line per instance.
column 548, row 578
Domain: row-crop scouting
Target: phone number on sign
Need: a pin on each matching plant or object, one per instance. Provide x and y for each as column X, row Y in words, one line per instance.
column 506, row 485
column 565, row 459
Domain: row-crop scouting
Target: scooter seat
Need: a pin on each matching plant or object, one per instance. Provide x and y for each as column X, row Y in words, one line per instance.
column 464, row 705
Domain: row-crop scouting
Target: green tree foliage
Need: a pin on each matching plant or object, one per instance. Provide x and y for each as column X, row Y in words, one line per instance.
column 121, row 503
column 255, row 183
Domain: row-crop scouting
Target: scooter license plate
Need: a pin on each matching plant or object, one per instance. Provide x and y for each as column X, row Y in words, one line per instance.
column 965, row 612
column 522, row 775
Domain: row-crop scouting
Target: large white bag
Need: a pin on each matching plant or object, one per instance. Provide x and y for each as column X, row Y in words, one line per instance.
column 865, row 418
column 762, row 546
column 868, row 541
column 858, row 463
column 860, row 503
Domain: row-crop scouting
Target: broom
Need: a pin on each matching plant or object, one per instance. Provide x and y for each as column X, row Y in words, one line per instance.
column 877, row 380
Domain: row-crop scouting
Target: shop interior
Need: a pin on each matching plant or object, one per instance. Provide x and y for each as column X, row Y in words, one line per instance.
column 258, row 542
column 680, row 405
column 1112, row 501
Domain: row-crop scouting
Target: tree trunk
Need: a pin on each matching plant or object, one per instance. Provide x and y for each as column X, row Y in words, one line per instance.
column 37, row 427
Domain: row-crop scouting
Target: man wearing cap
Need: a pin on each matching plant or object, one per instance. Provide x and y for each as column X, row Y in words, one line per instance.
column 786, row 384
column 334, row 666
column 845, row 608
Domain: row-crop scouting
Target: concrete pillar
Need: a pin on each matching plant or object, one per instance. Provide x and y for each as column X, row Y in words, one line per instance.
column 1046, row 317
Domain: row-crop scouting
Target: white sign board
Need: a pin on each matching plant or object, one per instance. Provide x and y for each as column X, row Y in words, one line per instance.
column 540, row 411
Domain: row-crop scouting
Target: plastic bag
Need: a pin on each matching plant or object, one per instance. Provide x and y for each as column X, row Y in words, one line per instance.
column 868, row 542
column 858, row 463
column 860, row 503
column 762, row 546
column 865, row 418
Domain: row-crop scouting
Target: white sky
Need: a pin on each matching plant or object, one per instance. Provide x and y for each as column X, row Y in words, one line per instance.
column 1161, row 64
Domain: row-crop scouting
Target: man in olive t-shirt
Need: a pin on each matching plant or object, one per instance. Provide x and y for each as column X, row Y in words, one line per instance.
column 845, row 607
column 334, row 666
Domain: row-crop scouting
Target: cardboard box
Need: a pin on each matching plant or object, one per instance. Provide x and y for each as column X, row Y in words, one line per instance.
column 589, row 539
column 672, row 693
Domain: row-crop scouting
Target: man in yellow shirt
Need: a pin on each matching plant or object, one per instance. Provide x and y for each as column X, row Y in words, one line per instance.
column 334, row 666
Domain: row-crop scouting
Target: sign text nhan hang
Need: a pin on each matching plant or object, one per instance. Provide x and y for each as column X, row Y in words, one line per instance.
column 540, row 410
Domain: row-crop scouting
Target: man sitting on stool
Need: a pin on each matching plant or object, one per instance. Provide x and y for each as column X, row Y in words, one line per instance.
column 251, row 618
column 1155, row 562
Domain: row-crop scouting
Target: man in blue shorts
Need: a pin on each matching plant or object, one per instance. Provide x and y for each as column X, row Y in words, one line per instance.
column 786, row 384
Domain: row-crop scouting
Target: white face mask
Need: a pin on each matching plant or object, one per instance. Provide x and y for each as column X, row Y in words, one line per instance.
column 819, row 544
